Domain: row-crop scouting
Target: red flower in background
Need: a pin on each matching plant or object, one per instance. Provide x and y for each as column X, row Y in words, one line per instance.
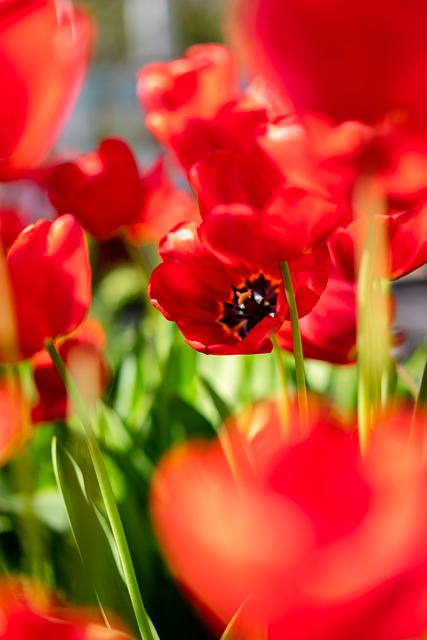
column 106, row 193
column 407, row 233
column 192, row 87
column 44, row 49
column 226, row 295
column 194, row 105
column 312, row 50
column 328, row 332
column 103, row 189
column 29, row 611
column 310, row 539
column 12, row 222
column 13, row 419
column 48, row 273
column 83, row 354
column 164, row 207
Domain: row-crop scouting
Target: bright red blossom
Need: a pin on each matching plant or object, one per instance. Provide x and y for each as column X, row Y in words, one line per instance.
column 103, row 189
column 313, row 541
column 226, row 296
column 48, row 271
column 44, row 48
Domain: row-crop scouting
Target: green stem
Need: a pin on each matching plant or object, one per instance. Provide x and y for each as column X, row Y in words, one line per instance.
column 416, row 435
column 373, row 321
column 107, row 495
column 298, row 354
column 283, row 396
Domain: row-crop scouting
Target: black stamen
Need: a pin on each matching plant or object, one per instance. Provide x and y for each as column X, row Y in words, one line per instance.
column 251, row 303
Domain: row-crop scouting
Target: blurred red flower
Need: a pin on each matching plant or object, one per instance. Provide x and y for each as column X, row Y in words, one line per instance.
column 83, row 354
column 226, row 296
column 48, row 282
column 14, row 429
column 407, row 249
column 44, row 49
column 103, row 189
column 312, row 50
column 28, row 610
column 195, row 86
column 307, row 538
column 164, row 207
column 12, row 222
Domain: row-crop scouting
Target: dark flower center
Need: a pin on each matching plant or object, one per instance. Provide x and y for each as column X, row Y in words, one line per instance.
column 251, row 303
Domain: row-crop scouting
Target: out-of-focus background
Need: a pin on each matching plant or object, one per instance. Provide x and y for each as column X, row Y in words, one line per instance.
column 132, row 33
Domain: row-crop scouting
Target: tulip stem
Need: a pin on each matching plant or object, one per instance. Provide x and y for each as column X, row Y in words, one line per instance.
column 416, row 435
column 298, row 354
column 373, row 317
column 283, row 396
column 107, row 494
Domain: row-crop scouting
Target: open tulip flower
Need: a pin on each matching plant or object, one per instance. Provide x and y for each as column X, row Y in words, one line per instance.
column 48, row 282
column 300, row 536
column 44, row 50
column 227, row 296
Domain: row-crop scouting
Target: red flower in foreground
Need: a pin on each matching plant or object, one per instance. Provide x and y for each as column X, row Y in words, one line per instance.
column 311, row 541
column 311, row 50
column 28, row 611
column 82, row 352
column 44, row 47
column 48, row 273
column 227, row 297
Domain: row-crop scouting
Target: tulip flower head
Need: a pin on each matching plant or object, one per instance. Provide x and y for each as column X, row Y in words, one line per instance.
column 301, row 535
column 44, row 50
column 47, row 282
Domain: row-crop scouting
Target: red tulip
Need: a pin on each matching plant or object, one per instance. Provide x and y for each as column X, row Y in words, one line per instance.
column 28, row 610
column 82, row 352
column 12, row 222
column 49, row 278
column 195, row 86
column 103, row 189
column 164, row 207
column 407, row 242
column 44, row 47
column 308, row 539
column 226, row 296
column 352, row 60
column 13, row 420
column 329, row 331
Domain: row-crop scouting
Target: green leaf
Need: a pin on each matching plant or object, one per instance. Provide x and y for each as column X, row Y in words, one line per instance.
column 222, row 408
column 93, row 544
